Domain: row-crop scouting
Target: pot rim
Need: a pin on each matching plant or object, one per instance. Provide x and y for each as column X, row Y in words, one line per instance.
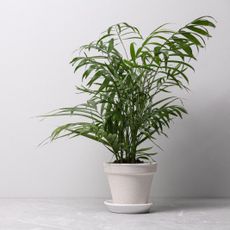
column 130, row 169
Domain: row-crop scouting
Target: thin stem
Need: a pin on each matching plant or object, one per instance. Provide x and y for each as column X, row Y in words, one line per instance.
column 122, row 43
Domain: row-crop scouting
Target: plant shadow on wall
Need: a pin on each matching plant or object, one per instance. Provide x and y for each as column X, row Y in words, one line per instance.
column 203, row 149
column 129, row 79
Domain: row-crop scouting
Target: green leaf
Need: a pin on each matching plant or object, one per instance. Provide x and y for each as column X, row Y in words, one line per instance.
column 199, row 30
column 192, row 38
column 203, row 22
column 111, row 45
column 95, row 77
column 132, row 52
column 144, row 149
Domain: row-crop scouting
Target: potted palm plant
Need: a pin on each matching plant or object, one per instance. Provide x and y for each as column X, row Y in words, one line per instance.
column 129, row 79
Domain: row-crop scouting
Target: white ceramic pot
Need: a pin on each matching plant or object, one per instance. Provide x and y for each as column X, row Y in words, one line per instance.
column 130, row 183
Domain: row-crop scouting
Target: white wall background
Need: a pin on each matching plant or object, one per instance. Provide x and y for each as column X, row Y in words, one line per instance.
column 36, row 43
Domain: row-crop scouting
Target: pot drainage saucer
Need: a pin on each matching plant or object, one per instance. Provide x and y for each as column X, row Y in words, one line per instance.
column 127, row 208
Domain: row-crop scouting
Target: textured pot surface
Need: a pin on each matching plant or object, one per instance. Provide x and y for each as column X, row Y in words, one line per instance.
column 130, row 183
